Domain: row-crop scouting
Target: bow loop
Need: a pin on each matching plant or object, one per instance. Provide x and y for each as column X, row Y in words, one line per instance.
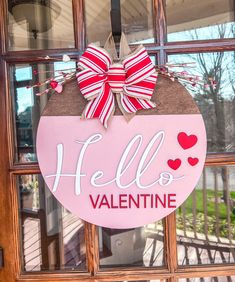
column 138, row 66
column 142, row 89
column 95, row 59
column 90, row 83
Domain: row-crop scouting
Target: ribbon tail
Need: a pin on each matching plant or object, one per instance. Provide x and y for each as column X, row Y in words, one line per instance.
column 101, row 107
column 127, row 116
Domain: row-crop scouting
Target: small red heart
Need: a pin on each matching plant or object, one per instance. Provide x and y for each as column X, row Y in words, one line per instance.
column 174, row 164
column 186, row 141
column 53, row 84
column 193, row 161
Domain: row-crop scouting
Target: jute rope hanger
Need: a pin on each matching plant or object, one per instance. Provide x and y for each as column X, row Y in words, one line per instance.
column 110, row 47
column 124, row 49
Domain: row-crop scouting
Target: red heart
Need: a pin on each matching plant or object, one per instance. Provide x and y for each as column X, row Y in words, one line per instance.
column 174, row 164
column 186, row 141
column 53, row 84
column 193, row 161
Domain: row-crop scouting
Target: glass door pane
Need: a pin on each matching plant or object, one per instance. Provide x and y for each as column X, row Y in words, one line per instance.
column 199, row 20
column 27, row 106
column 209, row 279
column 206, row 221
column 51, row 237
column 216, row 99
column 132, row 247
column 40, row 24
column 136, row 20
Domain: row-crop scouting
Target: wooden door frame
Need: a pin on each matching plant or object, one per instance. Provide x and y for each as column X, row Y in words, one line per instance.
column 9, row 219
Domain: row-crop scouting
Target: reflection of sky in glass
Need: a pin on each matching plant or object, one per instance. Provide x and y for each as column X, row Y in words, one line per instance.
column 153, row 59
column 226, row 30
column 24, row 95
column 144, row 41
column 64, row 66
column 24, row 99
column 204, row 33
column 23, row 73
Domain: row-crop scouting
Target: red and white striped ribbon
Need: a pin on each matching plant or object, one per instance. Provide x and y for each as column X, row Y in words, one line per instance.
column 134, row 80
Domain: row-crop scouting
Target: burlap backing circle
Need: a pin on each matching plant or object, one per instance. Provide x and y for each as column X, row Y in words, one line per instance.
column 170, row 96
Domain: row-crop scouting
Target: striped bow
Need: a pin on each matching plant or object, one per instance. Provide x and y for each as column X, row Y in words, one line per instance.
column 133, row 82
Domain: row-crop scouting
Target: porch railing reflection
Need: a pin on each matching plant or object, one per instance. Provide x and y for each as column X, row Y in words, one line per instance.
column 59, row 250
column 52, row 238
column 206, row 221
column 205, row 226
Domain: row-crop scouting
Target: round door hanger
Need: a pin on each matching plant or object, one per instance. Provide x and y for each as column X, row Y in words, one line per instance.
column 139, row 149
column 132, row 173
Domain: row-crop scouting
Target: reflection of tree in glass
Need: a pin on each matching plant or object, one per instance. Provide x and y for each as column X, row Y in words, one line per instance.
column 217, row 104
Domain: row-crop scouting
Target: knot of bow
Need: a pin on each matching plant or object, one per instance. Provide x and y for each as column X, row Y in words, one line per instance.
column 133, row 81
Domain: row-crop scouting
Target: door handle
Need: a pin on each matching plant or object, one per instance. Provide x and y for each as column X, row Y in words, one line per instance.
column 1, row 258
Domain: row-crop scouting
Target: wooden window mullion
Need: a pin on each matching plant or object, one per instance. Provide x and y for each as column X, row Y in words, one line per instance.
column 170, row 242
column 92, row 248
column 3, row 26
column 9, row 235
column 160, row 28
column 79, row 24
column 91, row 234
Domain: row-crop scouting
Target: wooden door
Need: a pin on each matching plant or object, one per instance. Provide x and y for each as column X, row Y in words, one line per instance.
column 42, row 241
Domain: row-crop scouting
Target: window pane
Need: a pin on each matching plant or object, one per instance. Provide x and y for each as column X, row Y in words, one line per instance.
column 217, row 104
column 40, row 24
column 51, row 237
column 155, row 280
column 209, row 279
column 132, row 247
column 27, row 106
column 136, row 19
column 199, row 20
column 206, row 221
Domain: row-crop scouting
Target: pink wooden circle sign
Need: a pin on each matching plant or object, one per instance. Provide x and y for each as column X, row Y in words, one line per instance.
column 127, row 176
